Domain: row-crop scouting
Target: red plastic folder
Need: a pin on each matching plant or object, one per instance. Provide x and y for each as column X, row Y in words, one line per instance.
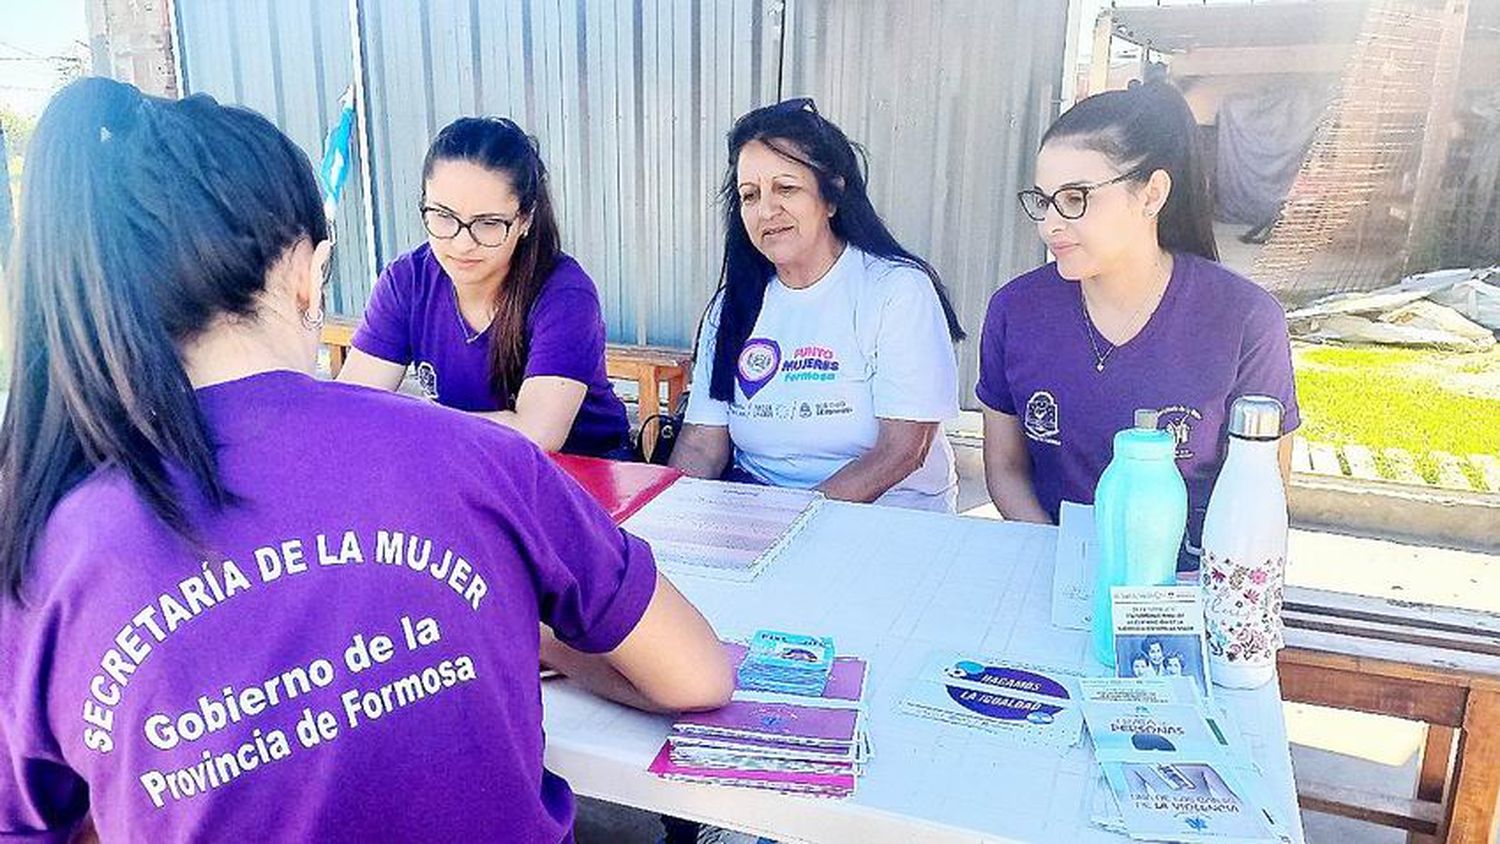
column 621, row 488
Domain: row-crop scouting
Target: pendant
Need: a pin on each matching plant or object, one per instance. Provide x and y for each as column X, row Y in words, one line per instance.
column 1099, row 367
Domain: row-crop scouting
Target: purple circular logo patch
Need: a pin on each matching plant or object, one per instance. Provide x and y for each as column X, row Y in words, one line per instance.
column 759, row 360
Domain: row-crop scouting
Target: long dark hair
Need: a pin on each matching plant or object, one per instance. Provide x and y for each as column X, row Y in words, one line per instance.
column 1145, row 128
column 498, row 144
column 795, row 130
column 142, row 220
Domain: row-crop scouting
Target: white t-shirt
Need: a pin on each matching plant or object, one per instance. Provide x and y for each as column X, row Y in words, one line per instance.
column 866, row 341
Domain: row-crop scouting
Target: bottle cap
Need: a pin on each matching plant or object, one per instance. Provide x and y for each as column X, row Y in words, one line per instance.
column 1145, row 417
column 1145, row 444
column 1255, row 418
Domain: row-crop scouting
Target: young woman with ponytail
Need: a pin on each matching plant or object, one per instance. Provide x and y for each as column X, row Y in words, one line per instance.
column 497, row 320
column 1134, row 313
column 243, row 603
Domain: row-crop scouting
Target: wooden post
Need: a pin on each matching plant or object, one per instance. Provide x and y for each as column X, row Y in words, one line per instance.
column 338, row 336
column 1432, row 778
column 132, row 41
column 1422, row 227
column 1104, row 28
column 1472, row 806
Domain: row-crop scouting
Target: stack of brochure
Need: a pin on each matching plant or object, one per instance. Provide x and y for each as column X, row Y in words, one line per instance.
column 1171, row 771
column 806, row 743
column 788, row 663
column 721, row 530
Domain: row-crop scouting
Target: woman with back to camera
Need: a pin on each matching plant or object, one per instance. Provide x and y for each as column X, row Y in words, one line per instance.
column 238, row 603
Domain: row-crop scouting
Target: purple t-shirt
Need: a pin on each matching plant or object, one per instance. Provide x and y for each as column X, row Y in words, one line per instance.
column 1214, row 337
column 413, row 317
column 350, row 654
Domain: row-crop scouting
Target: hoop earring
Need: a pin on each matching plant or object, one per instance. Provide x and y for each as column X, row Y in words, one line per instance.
column 312, row 319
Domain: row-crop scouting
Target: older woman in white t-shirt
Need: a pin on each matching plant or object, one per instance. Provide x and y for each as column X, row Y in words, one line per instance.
column 826, row 360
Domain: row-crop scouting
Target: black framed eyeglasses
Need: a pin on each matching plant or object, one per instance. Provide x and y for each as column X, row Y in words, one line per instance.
column 487, row 231
column 1071, row 202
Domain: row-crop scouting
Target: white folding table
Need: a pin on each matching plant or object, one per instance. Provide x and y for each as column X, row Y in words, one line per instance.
column 893, row 586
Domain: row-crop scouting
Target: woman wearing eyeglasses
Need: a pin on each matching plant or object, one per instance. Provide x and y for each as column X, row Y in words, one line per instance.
column 1134, row 313
column 498, row 321
column 827, row 358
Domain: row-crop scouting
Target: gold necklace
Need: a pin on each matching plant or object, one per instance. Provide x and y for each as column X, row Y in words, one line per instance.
column 470, row 335
column 1088, row 324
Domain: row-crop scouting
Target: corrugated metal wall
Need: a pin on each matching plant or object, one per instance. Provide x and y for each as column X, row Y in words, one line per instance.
column 949, row 98
column 631, row 100
column 289, row 60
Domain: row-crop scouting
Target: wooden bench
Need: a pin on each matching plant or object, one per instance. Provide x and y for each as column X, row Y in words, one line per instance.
column 1437, row 665
column 648, row 366
column 338, row 333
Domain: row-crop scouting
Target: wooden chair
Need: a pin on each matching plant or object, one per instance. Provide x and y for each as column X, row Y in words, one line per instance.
column 1437, row 665
column 650, row 367
column 338, row 332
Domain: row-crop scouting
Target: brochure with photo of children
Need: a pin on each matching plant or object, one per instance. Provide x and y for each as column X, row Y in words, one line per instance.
column 1159, row 633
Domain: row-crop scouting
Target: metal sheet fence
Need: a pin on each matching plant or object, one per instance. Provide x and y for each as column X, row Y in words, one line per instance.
column 289, row 60
column 630, row 101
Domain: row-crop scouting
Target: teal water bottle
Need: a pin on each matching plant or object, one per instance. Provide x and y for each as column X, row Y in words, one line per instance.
column 1140, row 513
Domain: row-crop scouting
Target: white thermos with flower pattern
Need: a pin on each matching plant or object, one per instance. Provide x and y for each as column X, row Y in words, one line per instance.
column 1244, row 549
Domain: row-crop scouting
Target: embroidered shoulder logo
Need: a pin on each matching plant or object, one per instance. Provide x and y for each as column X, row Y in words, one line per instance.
column 427, row 380
column 1178, row 420
column 1041, row 418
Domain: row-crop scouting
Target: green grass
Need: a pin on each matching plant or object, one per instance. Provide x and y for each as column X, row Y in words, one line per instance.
column 1419, row 401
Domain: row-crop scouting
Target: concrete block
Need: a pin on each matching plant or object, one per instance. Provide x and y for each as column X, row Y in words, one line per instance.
column 1325, row 460
column 1450, row 471
column 1402, row 466
column 1301, row 458
column 1361, row 462
column 1489, row 469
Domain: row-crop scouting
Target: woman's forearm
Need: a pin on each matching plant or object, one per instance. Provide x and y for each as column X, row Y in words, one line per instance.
column 702, row 451
column 899, row 450
column 546, row 408
column 1014, row 497
column 545, row 437
column 1007, row 470
column 866, row 478
column 594, row 673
